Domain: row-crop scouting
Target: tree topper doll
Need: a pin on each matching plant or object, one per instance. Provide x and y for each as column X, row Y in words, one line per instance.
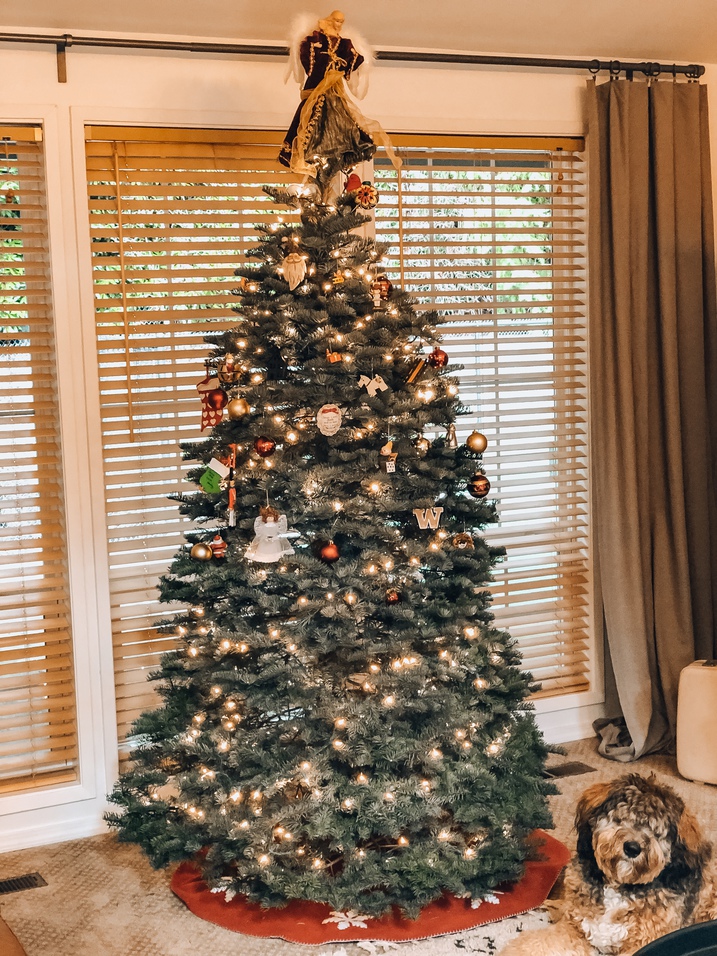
column 329, row 133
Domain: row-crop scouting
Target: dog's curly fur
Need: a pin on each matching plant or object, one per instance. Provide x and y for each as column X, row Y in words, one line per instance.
column 642, row 870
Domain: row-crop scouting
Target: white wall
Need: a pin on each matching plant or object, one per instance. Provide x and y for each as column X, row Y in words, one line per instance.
column 202, row 91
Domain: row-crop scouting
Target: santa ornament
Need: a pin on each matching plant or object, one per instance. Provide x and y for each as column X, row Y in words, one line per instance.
column 294, row 269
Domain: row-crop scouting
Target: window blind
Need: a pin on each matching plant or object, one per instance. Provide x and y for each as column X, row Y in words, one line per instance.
column 495, row 238
column 171, row 214
column 38, row 732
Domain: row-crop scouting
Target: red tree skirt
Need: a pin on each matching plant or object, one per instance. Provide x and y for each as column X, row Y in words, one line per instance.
column 304, row 922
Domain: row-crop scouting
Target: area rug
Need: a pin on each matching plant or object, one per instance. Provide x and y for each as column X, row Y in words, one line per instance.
column 316, row 923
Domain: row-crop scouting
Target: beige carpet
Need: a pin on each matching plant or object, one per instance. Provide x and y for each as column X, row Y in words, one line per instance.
column 103, row 898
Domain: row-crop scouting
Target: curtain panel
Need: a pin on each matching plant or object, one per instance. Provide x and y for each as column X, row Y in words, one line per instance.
column 653, row 343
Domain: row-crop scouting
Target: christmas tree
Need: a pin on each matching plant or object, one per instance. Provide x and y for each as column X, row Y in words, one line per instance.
column 341, row 720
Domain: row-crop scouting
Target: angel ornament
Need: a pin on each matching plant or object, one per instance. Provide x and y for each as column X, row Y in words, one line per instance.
column 329, row 133
column 270, row 537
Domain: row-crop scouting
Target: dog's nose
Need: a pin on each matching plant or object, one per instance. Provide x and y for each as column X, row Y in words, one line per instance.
column 632, row 848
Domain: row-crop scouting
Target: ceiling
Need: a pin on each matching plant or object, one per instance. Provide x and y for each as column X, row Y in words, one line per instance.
column 659, row 30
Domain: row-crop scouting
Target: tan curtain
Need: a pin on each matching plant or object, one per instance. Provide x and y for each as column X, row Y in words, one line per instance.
column 653, row 340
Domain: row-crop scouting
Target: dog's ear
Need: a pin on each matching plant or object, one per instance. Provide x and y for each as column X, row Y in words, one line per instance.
column 689, row 833
column 690, row 854
column 593, row 798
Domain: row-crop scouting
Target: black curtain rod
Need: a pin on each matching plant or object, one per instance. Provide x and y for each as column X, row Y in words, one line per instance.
column 62, row 41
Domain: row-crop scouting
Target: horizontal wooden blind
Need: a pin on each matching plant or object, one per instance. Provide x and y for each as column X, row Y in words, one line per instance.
column 171, row 215
column 38, row 730
column 495, row 238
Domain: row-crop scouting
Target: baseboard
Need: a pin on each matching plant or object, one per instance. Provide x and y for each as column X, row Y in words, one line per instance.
column 575, row 723
column 44, row 833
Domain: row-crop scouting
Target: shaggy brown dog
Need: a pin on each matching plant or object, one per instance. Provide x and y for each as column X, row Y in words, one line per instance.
column 640, row 872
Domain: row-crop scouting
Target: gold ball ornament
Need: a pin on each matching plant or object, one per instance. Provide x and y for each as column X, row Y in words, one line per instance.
column 201, row 551
column 422, row 445
column 238, row 408
column 477, row 442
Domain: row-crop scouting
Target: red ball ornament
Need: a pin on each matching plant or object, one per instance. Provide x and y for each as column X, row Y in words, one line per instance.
column 478, row 486
column 217, row 398
column 438, row 358
column 393, row 596
column 329, row 552
column 264, row 446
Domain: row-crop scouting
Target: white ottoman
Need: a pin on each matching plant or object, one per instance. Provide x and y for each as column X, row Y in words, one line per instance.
column 697, row 722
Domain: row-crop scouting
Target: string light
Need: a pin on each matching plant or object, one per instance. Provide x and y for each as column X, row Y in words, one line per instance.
column 338, row 744
column 403, row 841
column 347, row 804
column 340, row 723
column 361, row 778
column 389, row 701
column 480, row 683
column 444, row 835
column 470, row 632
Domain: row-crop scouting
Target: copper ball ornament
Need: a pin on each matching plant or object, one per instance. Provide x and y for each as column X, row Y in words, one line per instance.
column 238, row 408
column 478, row 486
column 201, row 551
column 422, row 445
column 329, row 552
column 217, row 398
column 393, row 596
column 264, row 446
column 438, row 358
column 477, row 442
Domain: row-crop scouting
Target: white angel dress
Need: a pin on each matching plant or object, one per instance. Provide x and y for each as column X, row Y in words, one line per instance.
column 270, row 543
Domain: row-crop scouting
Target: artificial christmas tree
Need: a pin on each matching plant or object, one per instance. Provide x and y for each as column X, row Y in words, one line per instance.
column 341, row 722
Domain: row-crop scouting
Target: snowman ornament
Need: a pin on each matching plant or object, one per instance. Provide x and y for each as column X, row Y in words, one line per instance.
column 270, row 537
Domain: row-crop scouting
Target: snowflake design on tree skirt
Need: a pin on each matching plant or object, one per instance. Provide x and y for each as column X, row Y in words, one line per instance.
column 487, row 940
